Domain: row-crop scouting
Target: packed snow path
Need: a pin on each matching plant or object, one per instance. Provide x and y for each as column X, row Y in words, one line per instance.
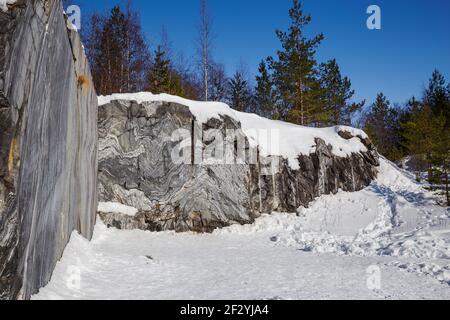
column 328, row 251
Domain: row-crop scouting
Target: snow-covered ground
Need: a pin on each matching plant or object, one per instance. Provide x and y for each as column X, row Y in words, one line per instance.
column 389, row 241
column 113, row 207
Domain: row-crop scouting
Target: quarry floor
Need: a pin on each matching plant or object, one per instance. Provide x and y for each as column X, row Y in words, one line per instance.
column 142, row 265
column 389, row 241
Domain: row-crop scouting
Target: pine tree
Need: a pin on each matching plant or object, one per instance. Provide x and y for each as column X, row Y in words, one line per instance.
column 176, row 85
column 295, row 69
column 217, row 83
column 336, row 95
column 441, row 155
column 117, row 51
column 381, row 124
column 426, row 132
column 181, row 80
column 159, row 75
column 427, row 136
column 192, row 88
column 437, row 96
column 265, row 95
column 239, row 95
column 162, row 76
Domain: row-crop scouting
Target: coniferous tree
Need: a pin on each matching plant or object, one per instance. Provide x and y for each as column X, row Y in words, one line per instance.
column 190, row 86
column 426, row 133
column 158, row 80
column 217, row 83
column 441, row 155
column 265, row 95
column 295, row 69
column 117, row 51
column 417, row 161
column 337, row 92
column 381, row 124
column 176, row 86
column 420, row 131
column 239, row 95
column 182, row 81
column 427, row 137
column 437, row 96
column 162, row 77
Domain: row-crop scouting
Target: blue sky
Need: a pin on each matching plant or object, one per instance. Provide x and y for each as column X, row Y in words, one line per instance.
column 397, row 60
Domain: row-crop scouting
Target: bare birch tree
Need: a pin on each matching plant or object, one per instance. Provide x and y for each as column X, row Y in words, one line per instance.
column 205, row 44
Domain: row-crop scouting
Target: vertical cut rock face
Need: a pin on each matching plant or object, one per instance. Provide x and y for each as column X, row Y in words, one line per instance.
column 48, row 143
column 137, row 168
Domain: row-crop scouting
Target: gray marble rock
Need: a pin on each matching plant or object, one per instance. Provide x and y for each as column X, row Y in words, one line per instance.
column 48, row 144
column 137, row 168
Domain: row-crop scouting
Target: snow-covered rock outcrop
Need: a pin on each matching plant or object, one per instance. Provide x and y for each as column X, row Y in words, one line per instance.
column 48, row 143
column 189, row 165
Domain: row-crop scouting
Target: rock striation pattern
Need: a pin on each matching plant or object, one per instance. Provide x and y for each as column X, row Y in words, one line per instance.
column 48, row 143
column 137, row 168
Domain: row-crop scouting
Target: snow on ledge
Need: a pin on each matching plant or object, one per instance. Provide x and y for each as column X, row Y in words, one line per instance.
column 114, row 207
column 291, row 140
column 353, row 131
column 203, row 111
column 4, row 4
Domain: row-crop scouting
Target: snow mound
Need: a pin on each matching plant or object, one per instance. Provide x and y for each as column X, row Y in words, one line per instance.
column 392, row 217
column 293, row 140
column 275, row 222
column 114, row 207
column 353, row 131
column 274, row 138
column 440, row 273
column 397, row 179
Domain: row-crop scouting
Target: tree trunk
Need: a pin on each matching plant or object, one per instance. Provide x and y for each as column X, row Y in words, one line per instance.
column 302, row 107
column 205, row 63
column 446, row 186
column 204, row 37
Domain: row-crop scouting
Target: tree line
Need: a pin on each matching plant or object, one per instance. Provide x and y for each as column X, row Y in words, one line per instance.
column 291, row 85
column 418, row 131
